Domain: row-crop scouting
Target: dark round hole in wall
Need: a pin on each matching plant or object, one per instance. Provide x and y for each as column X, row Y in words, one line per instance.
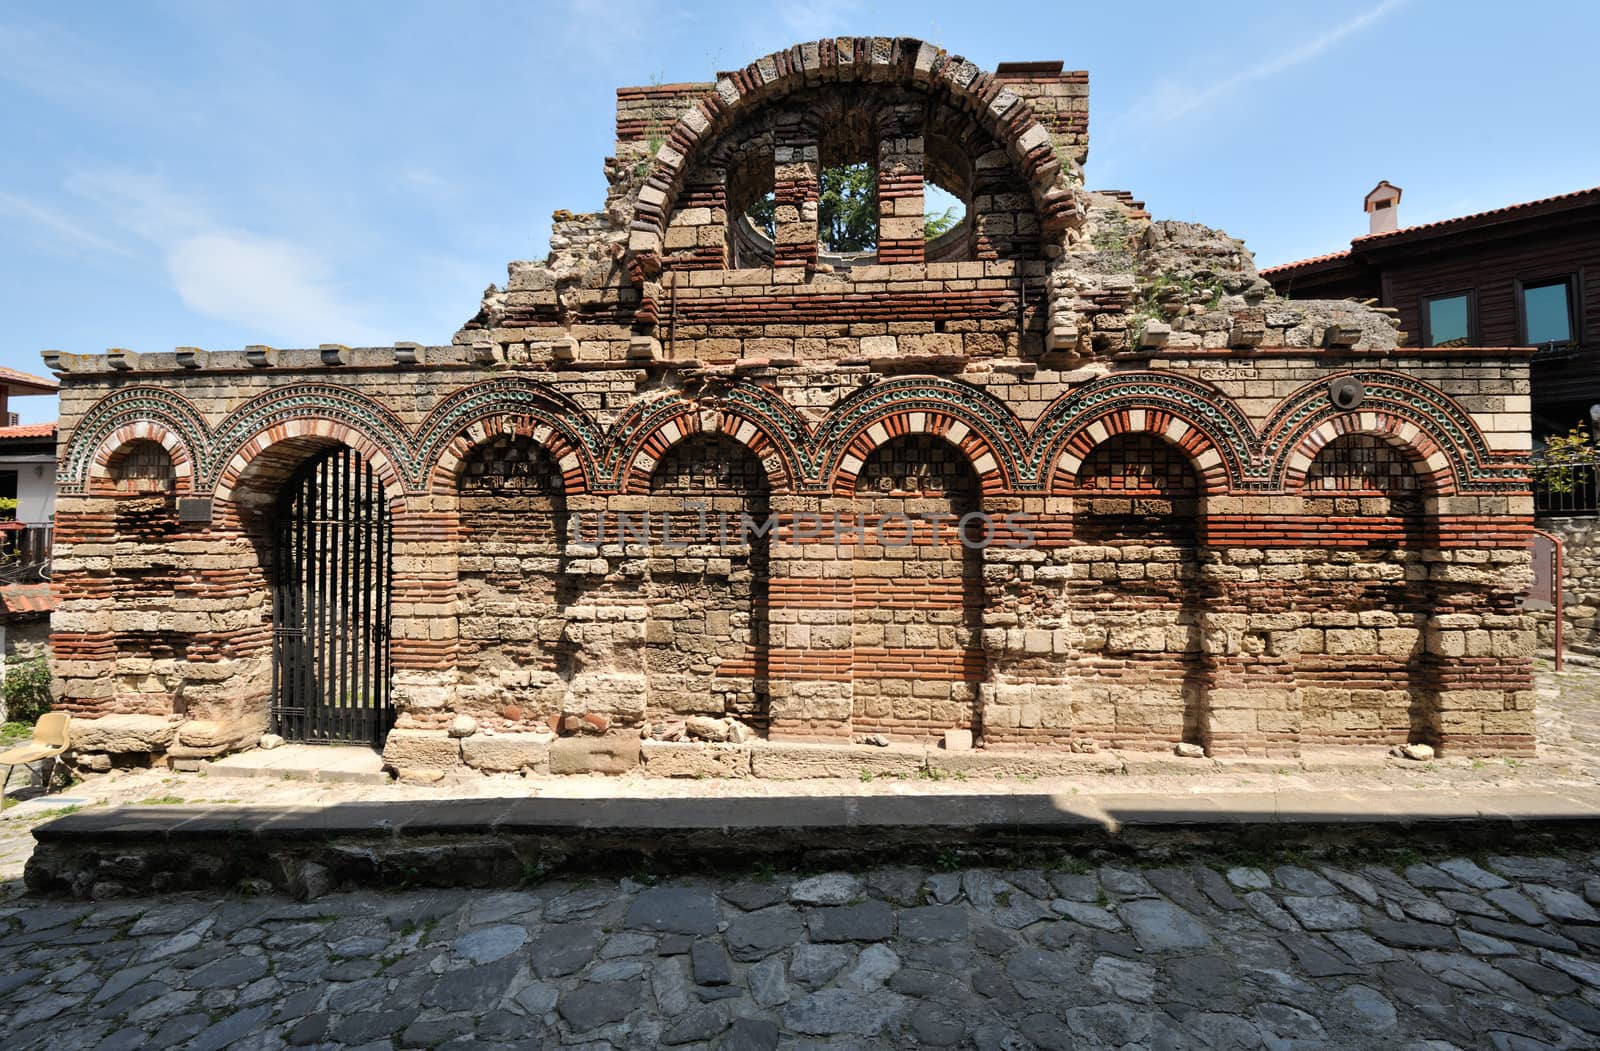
column 1346, row 393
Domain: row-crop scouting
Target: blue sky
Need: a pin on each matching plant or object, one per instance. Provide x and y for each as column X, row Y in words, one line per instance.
column 214, row 174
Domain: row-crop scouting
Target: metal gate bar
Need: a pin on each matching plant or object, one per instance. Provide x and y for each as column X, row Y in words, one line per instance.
column 330, row 604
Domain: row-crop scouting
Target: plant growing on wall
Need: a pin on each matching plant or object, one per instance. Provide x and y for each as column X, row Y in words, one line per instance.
column 1558, row 463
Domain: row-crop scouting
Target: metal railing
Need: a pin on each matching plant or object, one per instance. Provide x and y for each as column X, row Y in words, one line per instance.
column 25, row 553
column 1567, row 489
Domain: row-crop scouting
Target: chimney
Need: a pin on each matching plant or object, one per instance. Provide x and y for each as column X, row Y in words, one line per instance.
column 1383, row 208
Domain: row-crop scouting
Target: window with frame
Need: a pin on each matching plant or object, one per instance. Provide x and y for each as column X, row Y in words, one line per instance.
column 1546, row 309
column 1447, row 320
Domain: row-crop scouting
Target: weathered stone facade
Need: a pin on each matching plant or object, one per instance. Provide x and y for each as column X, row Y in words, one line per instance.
column 1216, row 516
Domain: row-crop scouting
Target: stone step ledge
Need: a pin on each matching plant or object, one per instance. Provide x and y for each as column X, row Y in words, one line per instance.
column 480, row 842
column 433, row 755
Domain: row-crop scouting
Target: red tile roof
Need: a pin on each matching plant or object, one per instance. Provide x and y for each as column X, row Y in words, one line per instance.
column 28, row 598
column 18, row 378
column 29, row 430
column 1576, row 196
column 1284, row 267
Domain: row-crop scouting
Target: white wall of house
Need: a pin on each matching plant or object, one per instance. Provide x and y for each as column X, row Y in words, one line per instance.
column 36, row 486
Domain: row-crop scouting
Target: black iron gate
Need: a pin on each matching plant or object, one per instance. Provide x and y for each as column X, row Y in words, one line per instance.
column 330, row 604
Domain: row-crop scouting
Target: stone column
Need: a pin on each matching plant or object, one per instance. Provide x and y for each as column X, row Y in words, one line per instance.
column 796, row 182
column 1250, row 643
column 900, row 187
column 604, row 636
column 1480, row 647
column 422, row 609
column 810, row 621
column 697, row 232
column 83, row 650
column 1027, row 632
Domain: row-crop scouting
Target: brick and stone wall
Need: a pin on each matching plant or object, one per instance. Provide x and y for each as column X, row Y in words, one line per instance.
column 1580, row 583
column 1211, row 515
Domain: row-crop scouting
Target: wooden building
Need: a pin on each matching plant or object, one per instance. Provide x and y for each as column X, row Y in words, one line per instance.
column 1524, row 275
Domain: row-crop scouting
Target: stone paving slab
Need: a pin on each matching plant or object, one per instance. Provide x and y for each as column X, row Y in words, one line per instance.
column 1409, row 950
column 304, row 762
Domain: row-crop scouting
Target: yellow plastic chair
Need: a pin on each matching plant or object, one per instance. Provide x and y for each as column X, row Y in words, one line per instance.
column 51, row 736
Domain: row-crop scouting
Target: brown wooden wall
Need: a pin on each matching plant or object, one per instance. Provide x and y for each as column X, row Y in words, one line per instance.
column 1492, row 269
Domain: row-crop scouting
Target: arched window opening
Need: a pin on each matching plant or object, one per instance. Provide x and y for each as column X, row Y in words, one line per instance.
column 143, row 467
column 143, row 477
column 947, row 194
column 847, row 211
column 1362, row 463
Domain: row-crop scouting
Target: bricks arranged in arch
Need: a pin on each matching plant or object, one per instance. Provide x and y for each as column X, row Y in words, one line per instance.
column 1254, row 525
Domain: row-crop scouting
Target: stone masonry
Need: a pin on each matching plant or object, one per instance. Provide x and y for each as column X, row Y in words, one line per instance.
column 1212, row 516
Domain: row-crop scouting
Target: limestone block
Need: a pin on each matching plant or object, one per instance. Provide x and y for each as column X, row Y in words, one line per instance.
column 786, row 761
column 957, row 740
column 1023, row 762
column 507, row 753
column 684, row 759
column 1136, row 640
column 594, row 755
column 708, row 729
column 205, row 733
column 124, row 733
column 203, row 738
column 421, row 749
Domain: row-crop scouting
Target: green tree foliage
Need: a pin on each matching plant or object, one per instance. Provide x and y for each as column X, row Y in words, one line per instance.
column 934, row 225
column 27, row 689
column 847, row 211
column 1556, row 466
column 847, row 208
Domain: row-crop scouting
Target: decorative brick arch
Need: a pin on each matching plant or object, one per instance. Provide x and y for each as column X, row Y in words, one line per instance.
column 152, row 406
column 301, row 437
column 1192, row 414
column 1435, row 471
column 968, row 417
column 1399, row 408
column 675, row 421
column 1202, row 451
column 974, row 445
column 100, row 481
column 570, row 459
column 310, row 410
column 512, row 405
column 868, row 60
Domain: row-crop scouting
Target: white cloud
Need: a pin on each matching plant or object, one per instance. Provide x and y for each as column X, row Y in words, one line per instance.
column 141, row 203
column 271, row 285
column 278, row 289
column 1174, row 100
column 64, row 230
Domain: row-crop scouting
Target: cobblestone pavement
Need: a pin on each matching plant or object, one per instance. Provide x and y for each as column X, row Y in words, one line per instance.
column 1419, row 953
column 1415, row 954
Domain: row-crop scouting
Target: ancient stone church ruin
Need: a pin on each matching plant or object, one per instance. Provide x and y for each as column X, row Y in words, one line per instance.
column 1062, row 475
